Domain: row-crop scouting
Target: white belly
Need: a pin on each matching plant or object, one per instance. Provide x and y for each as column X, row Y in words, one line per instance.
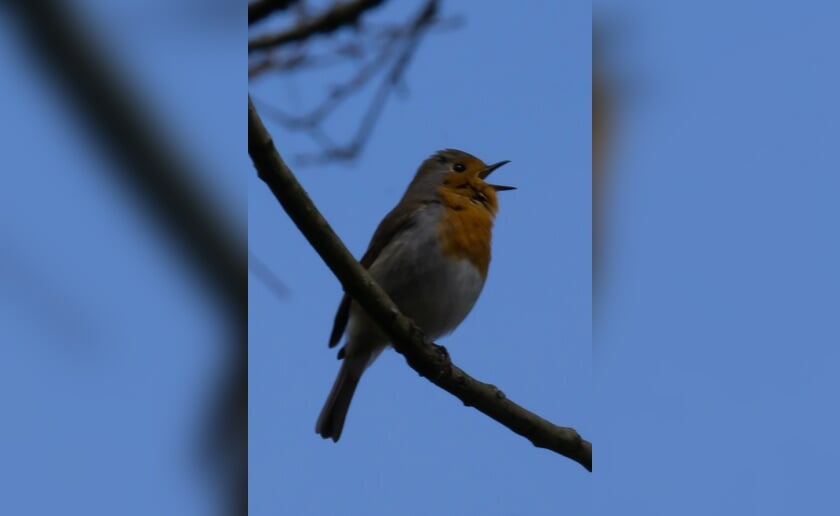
column 436, row 291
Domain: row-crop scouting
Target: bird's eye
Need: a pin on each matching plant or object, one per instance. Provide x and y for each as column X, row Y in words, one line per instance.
column 459, row 167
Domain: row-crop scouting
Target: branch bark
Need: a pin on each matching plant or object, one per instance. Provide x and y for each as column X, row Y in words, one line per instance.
column 425, row 357
column 339, row 15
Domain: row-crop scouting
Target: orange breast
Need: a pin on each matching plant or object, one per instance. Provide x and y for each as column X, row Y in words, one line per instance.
column 466, row 226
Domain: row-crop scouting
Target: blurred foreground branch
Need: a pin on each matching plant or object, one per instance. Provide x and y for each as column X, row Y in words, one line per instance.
column 425, row 357
column 164, row 182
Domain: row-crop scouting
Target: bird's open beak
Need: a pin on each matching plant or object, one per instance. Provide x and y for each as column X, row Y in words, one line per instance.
column 489, row 170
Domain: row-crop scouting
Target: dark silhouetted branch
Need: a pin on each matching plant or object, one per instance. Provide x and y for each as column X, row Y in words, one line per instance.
column 342, row 14
column 260, row 9
column 425, row 357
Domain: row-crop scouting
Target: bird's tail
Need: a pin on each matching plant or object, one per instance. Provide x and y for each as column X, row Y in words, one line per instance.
column 331, row 421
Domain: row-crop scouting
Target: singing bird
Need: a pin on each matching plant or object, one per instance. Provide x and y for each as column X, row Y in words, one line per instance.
column 430, row 254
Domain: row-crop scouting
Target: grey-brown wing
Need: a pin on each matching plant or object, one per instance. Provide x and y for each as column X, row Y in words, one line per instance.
column 392, row 224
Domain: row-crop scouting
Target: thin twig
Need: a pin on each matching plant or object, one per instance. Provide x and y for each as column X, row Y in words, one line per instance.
column 394, row 47
column 422, row 21
column 267, row 277
column 428, row 359
column 364, row 44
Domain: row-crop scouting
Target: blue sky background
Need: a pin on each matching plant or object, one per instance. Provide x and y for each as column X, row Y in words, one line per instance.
column 716, row 334
column 710, row 389
column 510, row 84
column 108, row 347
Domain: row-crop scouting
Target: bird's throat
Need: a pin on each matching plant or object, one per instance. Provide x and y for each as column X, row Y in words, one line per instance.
column 466, row 226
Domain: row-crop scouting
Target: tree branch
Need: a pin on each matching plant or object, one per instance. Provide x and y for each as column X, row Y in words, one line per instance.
column 339, row 15
column 428, row 359
column 398, row 47
column 258, row 10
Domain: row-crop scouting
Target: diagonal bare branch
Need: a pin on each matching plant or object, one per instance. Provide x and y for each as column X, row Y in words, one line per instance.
column 425, row 357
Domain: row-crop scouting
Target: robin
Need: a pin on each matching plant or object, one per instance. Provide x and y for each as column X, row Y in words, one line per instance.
column 430, row 254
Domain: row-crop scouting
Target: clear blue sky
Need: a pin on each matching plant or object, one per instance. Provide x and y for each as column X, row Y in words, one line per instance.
column 716, row 346
column 710, row 388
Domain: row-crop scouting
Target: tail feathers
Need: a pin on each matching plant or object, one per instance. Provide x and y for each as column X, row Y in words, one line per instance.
column 331, row 421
